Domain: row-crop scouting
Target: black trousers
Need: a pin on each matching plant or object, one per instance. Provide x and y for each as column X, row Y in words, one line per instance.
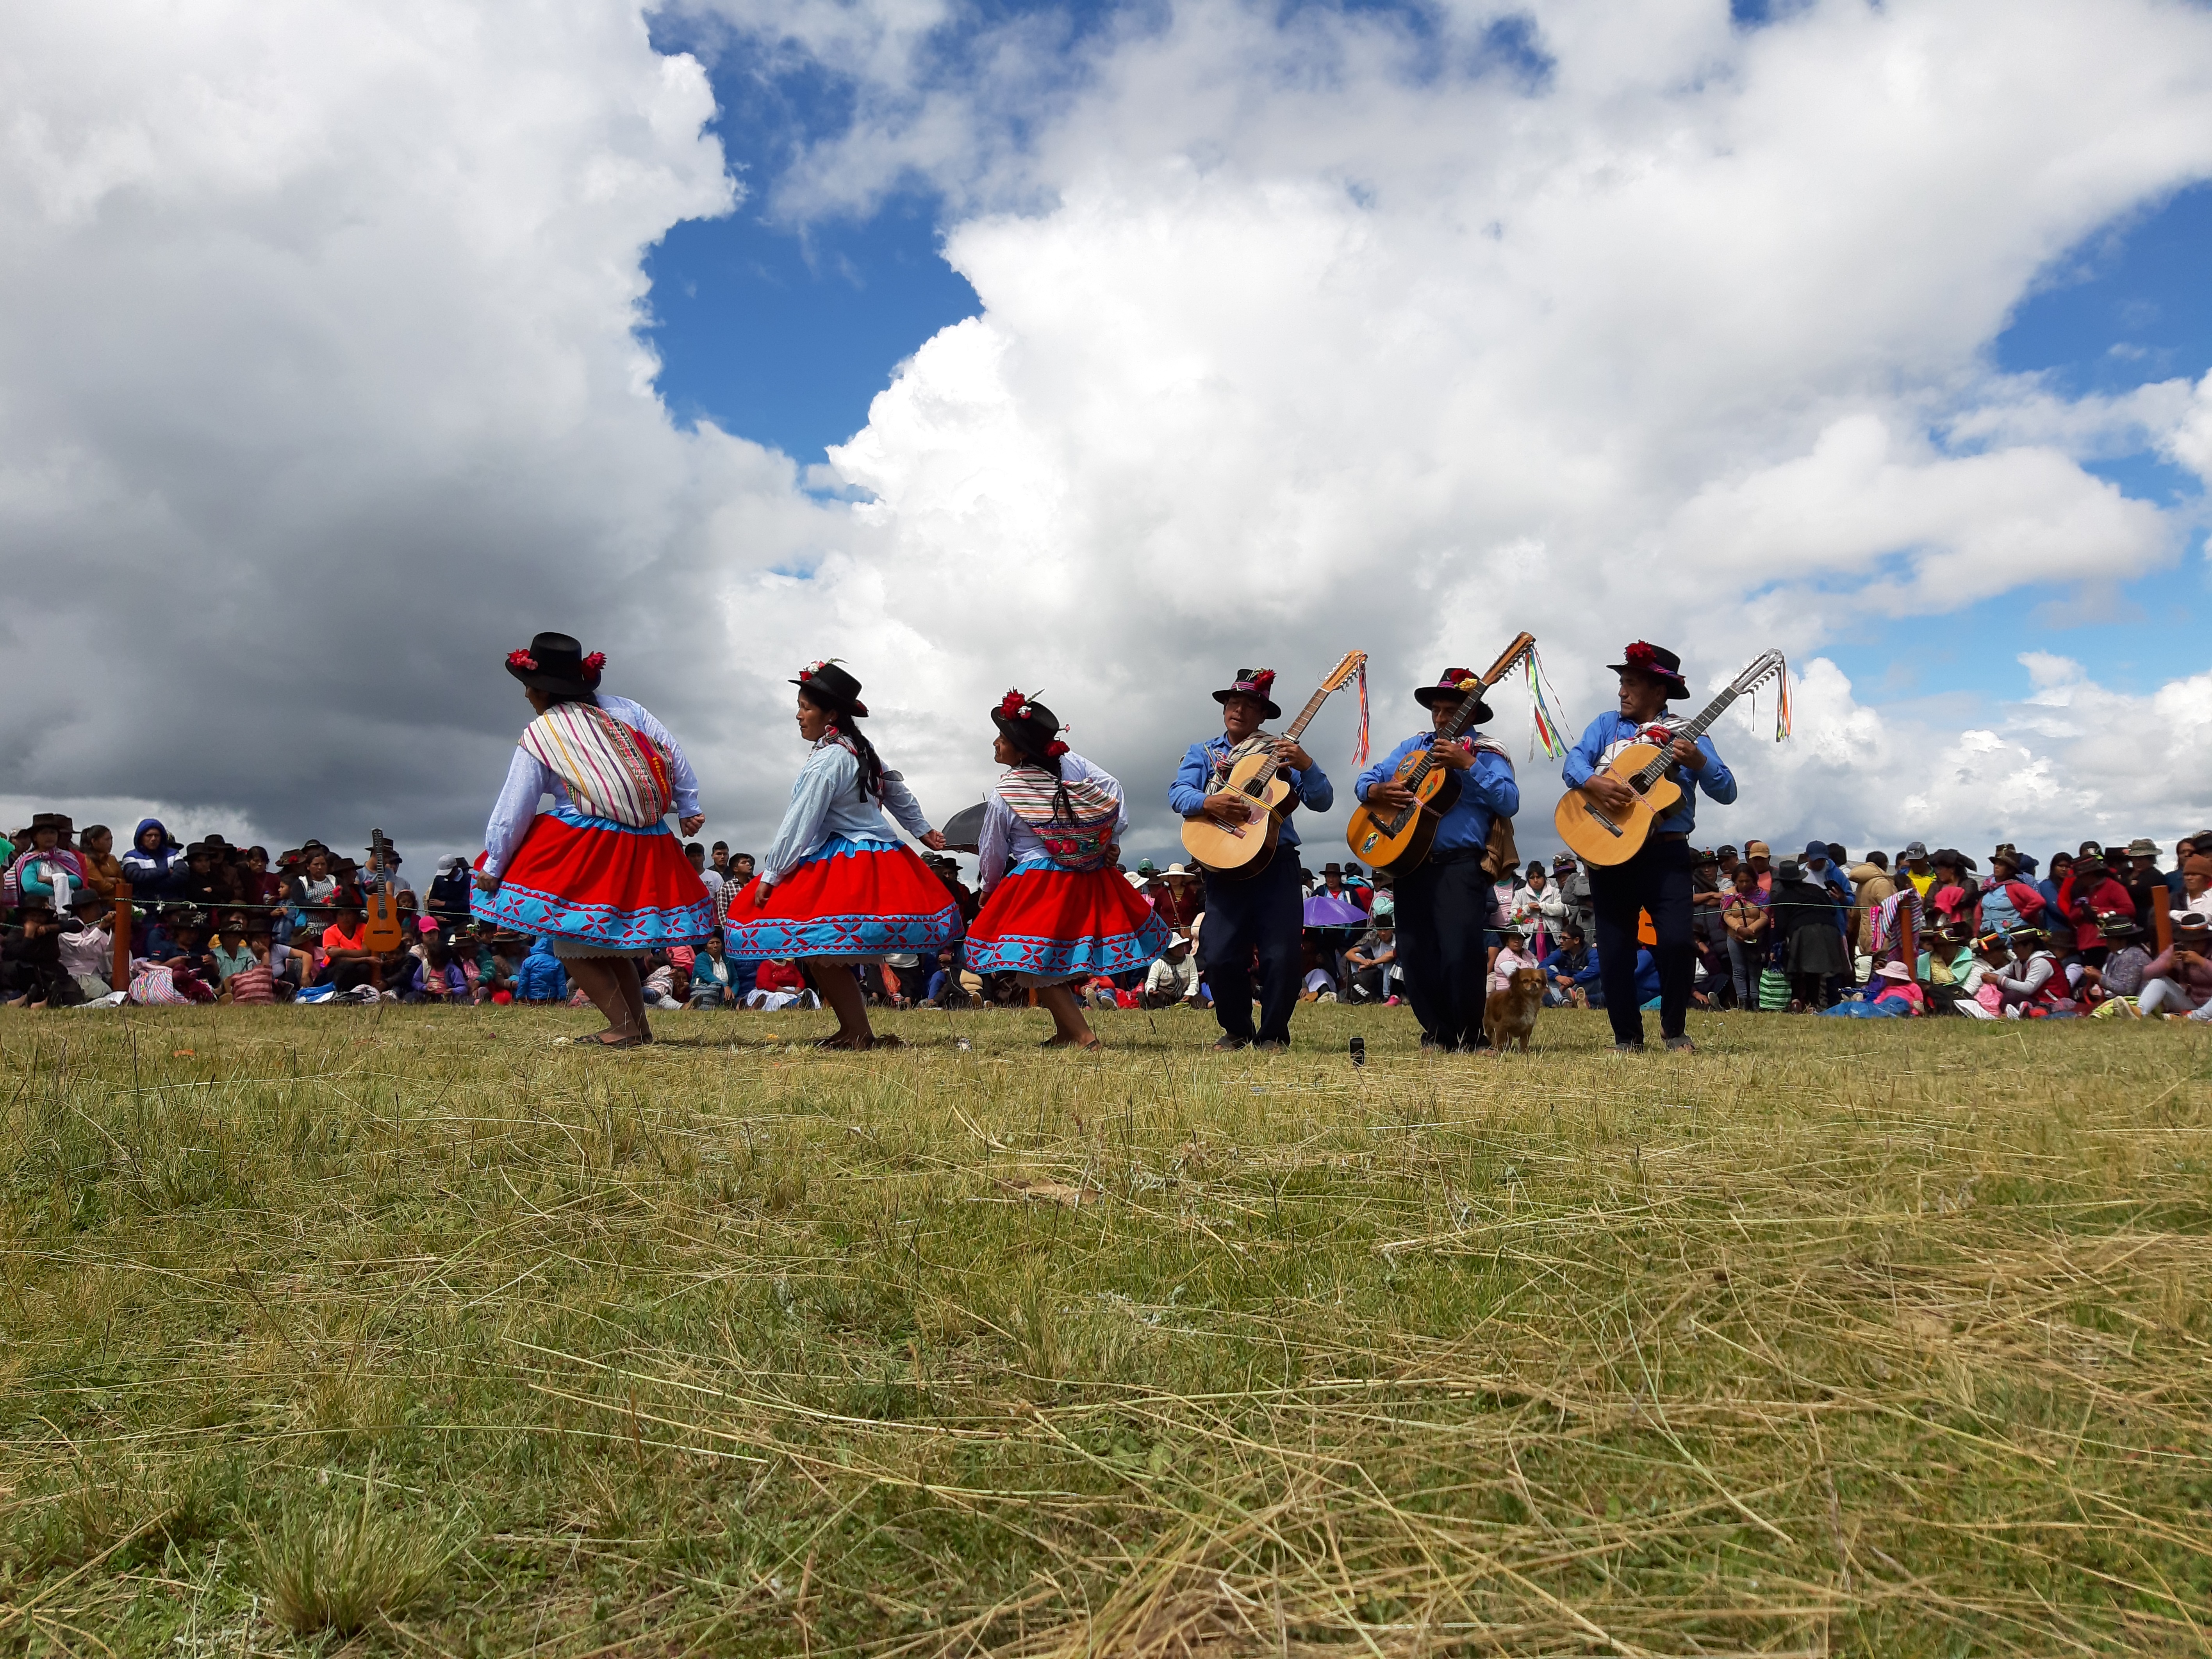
column 1444, row 945
column 1656, row 879
column 1266, row 912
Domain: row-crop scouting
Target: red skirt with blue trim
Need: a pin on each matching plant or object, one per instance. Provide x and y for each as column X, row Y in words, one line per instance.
column 1053, row 925
column 853, row 900
column 591, row 879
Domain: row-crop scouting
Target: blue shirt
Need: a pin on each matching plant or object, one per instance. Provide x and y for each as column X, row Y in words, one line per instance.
column 1608, row 730
column 1311, row 789
column 1487, row 791
column 826, row 802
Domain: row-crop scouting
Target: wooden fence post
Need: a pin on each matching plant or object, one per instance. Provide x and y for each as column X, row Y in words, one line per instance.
column 119, row 976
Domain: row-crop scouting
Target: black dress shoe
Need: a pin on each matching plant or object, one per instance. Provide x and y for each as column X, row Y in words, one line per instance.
column 1230, row 1044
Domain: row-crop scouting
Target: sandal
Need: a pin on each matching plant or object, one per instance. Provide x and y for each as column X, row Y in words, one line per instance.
column 1070, row 1043
column 854, row 1045
column 606, row 1041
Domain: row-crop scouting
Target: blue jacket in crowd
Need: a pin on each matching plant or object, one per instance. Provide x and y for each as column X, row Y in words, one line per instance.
column 541, row 978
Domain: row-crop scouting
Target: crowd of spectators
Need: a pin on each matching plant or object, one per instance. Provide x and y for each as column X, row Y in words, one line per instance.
column 2092, row 930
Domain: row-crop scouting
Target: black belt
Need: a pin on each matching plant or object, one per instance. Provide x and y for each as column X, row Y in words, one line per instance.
column 1458, row 854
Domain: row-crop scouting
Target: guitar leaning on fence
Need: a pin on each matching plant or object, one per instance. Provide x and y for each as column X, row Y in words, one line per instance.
column 1399, row 841
column 1228, row 851
column 383, row 929
column 1600, row 835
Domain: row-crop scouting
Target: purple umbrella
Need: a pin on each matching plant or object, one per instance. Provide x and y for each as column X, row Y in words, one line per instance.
column 1323, row 911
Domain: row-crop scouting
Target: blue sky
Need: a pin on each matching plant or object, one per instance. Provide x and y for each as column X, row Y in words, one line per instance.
column 783, row 332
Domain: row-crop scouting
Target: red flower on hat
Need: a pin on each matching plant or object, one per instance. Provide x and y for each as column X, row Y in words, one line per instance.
column 592, row 665
column 1055, row 748
column 523, row 661
column 1264, row 680
column 1014, row 706
column 1641, row 655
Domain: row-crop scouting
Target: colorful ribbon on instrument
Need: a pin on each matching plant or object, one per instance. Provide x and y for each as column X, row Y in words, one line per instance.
column 1782, row 707
column 1359, row 745
column 1544, row 724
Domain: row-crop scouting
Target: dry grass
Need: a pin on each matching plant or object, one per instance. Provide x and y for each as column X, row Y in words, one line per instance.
column 1830, row 1339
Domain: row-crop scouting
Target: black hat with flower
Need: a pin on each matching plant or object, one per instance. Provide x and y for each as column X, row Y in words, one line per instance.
column 1028, row 725
column 555, row 663
column 828, row 684
column 1657, row 660
column 1258, row 684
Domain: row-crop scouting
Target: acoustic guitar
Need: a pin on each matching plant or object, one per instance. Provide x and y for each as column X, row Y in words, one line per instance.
column 1599, row 834
column 382, row 930
column 1398, row 840
column 1253, row 774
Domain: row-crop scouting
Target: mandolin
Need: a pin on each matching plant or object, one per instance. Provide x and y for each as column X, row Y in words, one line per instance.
column 383, row 931
column 1253, row 773
column 1597, row 834
column 1399, row 841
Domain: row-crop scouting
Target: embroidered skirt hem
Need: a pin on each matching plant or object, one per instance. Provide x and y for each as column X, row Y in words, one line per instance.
column 850, row 901
column 1049, row 926
column 592, row 882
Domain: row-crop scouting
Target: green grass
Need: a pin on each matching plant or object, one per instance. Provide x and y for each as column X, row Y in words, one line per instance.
column 1830, row 1339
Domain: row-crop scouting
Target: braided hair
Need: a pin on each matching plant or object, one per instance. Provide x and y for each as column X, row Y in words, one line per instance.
column 1033, row 731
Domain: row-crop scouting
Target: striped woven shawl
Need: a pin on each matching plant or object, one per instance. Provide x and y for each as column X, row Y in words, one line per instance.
column 610, row 770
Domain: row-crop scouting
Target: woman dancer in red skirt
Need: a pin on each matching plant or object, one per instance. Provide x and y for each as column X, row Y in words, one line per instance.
column 1055, row 909
column 837, row 887
column 600, row 875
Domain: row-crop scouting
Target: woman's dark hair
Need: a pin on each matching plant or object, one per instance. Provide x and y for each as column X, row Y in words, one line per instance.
column 1023, row 738
column 847, row 724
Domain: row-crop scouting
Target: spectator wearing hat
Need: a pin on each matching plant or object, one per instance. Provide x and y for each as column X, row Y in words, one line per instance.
column 1657, row 881
column 2006, row 899
column 2179, row 979
column 2089, row 891
column 1261, row 912
column 449, row 889
column 599, row 878
column 837, row 886
column 2192, row 888
column 2145, row 882
column 1443, row 904
column 1916, row 868
column 47, row 871
column 1806, row 916
column 2121, row 976
column 2033, row 983
column 1761, row 860
column 1893, row 982
column 2057, row 922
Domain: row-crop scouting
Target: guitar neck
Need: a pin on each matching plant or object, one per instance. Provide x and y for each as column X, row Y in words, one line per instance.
column 1464, row 715
column 1265, row 775
column 1693, row 730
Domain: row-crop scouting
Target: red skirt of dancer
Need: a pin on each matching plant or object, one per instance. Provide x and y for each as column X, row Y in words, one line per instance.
column 596, row 882
column 1052, row 925
column 851, row 900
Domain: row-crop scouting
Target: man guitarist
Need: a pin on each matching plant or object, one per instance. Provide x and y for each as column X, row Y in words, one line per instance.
column 1444, row 903
column 1658, row 880
column 1264, row 911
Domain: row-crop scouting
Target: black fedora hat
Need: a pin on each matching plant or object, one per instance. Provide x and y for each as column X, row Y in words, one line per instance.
column 1455, row 682
column 1028, row 725
column 1258, row 683
column 1657, row 661
column 555, row 662
column 828, row 684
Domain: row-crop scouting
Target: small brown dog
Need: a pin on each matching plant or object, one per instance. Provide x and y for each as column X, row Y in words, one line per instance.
column 1511, row 1013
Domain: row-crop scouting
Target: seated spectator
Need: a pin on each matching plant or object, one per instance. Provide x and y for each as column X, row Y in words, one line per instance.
column 47, row 871
column 2008, row 901
column 2178, row 980
column 945, row 989
column 1319, row 985
column 1172, row 980
column 2121, row 977
column 31, row 971
column 714, row 978
column 348, row 963
column 229, row 952
column 253, row 985
column 1510, row 958
column 781, row 985
column 1369, row 963
column 153, row 863
column 658, row 985
column 1571, row 977
column 541, row 978
column 1980, row 997
column 103, row 870
column 88, row 949
column 2031, row 983
column 2192, row 888
column 313, row 887
column 449, row 889
column 1945, row 965
column 1893, row 981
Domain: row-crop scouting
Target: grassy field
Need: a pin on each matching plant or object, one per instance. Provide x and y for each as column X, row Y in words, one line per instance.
column 413, row 1332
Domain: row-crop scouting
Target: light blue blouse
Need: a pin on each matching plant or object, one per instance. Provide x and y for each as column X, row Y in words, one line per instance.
column 529, row 778
column 826, row 802
column 1007, row 843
